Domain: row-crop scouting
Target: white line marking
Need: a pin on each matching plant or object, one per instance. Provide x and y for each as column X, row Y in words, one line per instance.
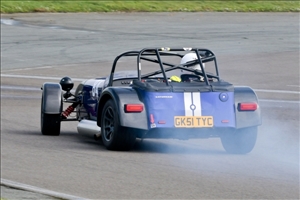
column 80, row 79
column 278, row 101
column 277, row 91
column 39, row 190
column 28, row 68
column 20, row 88
column 37, row 77
column 294, row 86
column 19, row 96
column 196, row 98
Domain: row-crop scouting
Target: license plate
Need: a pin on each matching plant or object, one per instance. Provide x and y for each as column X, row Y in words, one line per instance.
column 193, row 121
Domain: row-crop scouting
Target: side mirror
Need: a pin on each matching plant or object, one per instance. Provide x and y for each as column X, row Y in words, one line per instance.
column 66, row 84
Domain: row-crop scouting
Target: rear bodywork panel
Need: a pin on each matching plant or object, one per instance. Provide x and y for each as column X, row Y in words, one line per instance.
column 203, row 112
column 189, row 109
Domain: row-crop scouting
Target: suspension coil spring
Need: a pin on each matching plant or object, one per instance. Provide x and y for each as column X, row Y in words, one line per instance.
column 67, row 112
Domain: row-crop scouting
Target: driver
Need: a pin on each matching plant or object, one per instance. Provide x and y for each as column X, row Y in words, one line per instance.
column 188, row 58
column 185, row 59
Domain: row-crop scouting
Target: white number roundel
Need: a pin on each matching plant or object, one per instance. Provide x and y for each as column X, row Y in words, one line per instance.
column 95, row 88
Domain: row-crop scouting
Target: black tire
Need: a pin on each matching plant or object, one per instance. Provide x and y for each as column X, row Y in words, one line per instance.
column 50, row 123
column 114, row 137
column 240, row 141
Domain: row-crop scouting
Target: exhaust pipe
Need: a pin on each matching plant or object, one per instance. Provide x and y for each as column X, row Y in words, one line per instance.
column 90, row 128
column 97, row 137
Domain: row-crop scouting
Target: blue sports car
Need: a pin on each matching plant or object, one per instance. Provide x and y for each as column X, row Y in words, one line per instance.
column 168, row 93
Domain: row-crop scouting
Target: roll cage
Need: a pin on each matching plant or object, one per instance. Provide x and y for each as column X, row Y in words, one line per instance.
column 155, row 55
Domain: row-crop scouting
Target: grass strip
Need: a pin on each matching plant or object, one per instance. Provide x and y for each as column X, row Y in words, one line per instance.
column 14, row 6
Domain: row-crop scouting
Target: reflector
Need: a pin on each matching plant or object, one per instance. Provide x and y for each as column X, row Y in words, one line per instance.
column 134, row 107
column 152, row 118
column 225, row 121
column 249, row 106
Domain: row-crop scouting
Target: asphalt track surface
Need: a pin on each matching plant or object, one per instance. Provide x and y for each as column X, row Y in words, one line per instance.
column 260, row 50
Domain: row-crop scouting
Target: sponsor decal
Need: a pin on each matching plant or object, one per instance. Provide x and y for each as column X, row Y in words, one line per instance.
column 152, row 125
column 163, row 97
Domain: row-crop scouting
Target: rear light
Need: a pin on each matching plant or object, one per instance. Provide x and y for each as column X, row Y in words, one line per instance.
column 247, row 106
column 134, row 108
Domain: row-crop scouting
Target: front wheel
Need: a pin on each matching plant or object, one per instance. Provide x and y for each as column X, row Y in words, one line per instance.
column 240, row 141
column 114, row 137
column 50, row 124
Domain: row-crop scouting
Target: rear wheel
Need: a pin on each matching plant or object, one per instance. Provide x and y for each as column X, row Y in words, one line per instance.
column 114, row 137
column 50, row 123
column 240, row 141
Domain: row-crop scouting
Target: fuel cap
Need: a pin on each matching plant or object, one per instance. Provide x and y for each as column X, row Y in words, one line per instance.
column 223, row 96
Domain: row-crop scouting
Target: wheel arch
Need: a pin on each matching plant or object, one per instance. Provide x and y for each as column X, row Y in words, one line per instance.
column 51, row 98
column 122, row 96
column 105, row 96
column 246, row 118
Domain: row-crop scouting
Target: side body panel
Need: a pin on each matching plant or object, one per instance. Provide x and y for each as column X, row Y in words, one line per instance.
column 52, row 98
column 122, row 96
column 246, row 118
